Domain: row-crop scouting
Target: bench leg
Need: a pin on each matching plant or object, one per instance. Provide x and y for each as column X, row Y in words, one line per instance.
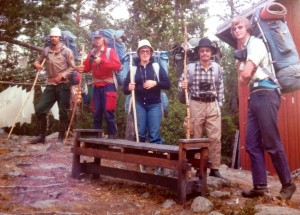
column 182, row 175
column 97, row 161
column 76, row 160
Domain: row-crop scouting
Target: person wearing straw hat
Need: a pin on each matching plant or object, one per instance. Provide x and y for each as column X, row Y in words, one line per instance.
column 147, row 88
column 59, row 66
column 262, row 122
column 206, row 92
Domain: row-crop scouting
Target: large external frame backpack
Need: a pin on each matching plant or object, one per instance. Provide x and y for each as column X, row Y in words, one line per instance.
column 68, row 39
column 269, row 24
column 191, row 75
column 116, row 40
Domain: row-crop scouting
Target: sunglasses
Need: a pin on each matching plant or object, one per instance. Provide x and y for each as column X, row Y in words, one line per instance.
column 240, row 27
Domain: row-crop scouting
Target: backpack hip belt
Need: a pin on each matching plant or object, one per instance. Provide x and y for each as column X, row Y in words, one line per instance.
column 109, row 80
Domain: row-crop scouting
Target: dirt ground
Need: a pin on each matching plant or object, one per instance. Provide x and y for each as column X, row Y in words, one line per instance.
column 36, row 179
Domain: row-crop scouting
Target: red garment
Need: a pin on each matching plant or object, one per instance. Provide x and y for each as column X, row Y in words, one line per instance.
column 103, row 70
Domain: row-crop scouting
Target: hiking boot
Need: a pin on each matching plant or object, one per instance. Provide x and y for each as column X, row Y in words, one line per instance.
column 215, row 173
column 42, row 126
column 61, row 133
column 287, row 191
column 257, row 191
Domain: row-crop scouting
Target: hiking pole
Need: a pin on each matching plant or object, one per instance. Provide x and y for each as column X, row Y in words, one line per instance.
column 187, row 102
column 77, row 100
column 133, row 101
column 30, row 92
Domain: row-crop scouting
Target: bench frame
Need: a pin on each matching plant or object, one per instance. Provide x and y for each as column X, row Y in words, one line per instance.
column 91, row 143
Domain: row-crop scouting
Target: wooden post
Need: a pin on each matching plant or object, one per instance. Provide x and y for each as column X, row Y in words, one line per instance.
column 133, row 101
column 187, row 102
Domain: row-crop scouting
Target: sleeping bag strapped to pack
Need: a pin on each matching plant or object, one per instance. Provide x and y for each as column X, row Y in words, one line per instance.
column 68, row 39
column 116, row 40
column 269, row 24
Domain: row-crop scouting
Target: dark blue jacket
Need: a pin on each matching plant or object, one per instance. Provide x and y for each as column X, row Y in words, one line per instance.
column 152, row 95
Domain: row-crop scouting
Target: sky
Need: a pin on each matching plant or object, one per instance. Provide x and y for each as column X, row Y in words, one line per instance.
column 211, row 23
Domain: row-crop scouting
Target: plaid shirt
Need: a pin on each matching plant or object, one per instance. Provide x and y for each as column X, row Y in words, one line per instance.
column 204, row 83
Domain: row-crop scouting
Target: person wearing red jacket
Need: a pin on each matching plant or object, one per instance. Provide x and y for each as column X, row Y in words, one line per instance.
column 102, row 62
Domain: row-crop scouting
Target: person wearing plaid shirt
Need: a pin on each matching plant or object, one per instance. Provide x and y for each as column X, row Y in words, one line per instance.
column 206, row 94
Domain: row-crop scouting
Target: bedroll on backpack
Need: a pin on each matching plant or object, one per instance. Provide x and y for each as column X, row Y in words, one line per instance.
column 116, row 40
column 68, row 39
column 269, row 24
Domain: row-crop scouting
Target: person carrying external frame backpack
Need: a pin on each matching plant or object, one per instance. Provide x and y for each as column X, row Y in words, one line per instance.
column 103, row 65
column 262, row 122
column 59, row 66
column 206, row 90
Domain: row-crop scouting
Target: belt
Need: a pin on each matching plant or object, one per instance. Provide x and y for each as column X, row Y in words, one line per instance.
column 204, row 99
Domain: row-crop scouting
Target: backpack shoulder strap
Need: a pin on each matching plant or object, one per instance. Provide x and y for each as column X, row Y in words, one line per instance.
column 156, row 69
column 191, row 72
column 107, row 53
column 216, row 72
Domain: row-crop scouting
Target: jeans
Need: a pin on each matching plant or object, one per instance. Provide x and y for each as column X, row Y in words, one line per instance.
column 263, row 135
column 60, row 93
column 148, row 122
column 99, row 98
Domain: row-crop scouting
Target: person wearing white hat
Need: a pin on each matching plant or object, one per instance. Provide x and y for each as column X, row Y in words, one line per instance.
column 147, row 88
column 59, row 61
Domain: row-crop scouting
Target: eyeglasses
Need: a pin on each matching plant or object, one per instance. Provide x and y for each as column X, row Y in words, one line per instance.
column 145, row 51
column 240, row 27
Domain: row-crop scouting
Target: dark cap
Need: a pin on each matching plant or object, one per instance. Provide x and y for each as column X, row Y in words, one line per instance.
column 205, row 42
column 98, row 34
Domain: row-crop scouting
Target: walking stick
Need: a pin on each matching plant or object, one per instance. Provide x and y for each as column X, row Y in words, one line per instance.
column 75, row 102
column 187, row 102
column 30, row 92
column 133, row 101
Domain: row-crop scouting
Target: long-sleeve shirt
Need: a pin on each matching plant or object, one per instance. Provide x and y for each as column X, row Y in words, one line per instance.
column 102, row 72
column 147, row 96
column 204, row 82
column 57, row 63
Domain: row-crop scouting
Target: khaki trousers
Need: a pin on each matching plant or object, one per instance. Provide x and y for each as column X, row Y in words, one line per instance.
column 206, row 115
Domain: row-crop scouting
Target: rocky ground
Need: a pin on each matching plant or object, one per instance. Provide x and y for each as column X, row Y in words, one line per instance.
column 35, row 179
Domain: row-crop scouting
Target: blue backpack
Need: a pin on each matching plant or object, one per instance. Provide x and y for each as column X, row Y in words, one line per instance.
column 280, row 44
column 116, row 40
column 68, row 39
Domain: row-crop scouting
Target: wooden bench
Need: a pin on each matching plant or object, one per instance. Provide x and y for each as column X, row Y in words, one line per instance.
column 90, row 142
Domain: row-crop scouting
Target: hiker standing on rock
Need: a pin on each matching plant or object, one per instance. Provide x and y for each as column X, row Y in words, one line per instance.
column 102, row 62
column 262, row 122
column 206, row 90
column 59, row 61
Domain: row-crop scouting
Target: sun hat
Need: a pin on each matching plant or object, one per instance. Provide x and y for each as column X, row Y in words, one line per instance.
column 205, row 42
column 55, row 32
column 142, row 43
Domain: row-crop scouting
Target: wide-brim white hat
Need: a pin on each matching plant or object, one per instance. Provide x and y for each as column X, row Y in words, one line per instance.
column 142, row 43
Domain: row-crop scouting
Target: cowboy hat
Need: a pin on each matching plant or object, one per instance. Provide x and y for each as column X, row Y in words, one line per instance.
column 205, row 42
